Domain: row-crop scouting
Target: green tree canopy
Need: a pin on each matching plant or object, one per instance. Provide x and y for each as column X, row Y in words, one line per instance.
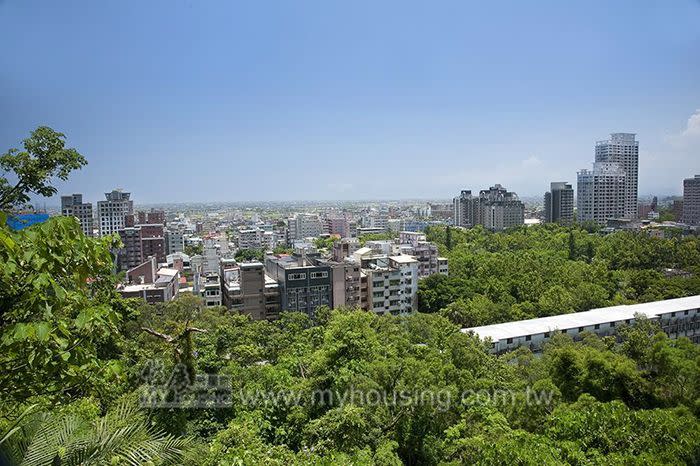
column 32, row 170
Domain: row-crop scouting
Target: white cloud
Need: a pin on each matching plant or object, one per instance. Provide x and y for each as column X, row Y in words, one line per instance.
column 693, row 128
column 532, row 161
column 664, row 165
column 690, row 136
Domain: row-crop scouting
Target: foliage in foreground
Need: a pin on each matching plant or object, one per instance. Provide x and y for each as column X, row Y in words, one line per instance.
column 77, row 436
column 77, row 352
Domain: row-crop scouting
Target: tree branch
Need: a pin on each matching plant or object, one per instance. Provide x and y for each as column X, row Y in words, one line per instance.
column 162, row 336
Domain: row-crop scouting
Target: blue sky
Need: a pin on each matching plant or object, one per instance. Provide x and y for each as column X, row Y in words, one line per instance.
column 229, row 101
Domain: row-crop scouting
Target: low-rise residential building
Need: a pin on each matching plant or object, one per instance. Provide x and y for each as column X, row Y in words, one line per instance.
column 382, row 247
column 250, row 238
column 392, row 284
column 395, row 224
column 379, row 221
column 345, row 247
column 247, row 289
column 270, row 240
column 303, row 286
column 151, row 284
column 174, row 241
column 345, row 281
column 179, row 261
column 677, row 317
column 369, row 231
column 443, row 266
column 141, row 242
column 304, row 226
column 337, row 226
column 415, row 244
column 210, row 289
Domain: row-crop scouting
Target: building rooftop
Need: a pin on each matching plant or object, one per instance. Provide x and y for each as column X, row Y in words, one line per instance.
column 250, row 265
column 168, row 272
column 163, row 280
column 177, row 255
column 403, row 259
column 521, row 328
column 138, row 287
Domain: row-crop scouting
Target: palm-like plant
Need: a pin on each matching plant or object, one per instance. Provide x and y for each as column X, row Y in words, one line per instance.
column 123, row 436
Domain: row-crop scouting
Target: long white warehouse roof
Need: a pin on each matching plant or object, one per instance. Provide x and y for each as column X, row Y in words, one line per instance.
column 583, row 319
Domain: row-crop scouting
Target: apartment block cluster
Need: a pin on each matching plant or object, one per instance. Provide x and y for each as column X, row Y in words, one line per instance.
column 608, row 193
column 381, row 276
column 147, row 241
column 293, row 274
column 495, row 209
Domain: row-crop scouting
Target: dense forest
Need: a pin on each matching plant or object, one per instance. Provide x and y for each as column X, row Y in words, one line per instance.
column 545, row 270
column 87, row 377
column 91, row 378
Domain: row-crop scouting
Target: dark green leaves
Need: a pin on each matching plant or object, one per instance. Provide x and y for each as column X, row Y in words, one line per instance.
column 31, row 171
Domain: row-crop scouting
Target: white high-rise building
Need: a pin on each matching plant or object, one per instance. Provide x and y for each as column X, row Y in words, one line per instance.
column 304, row 226
column 112, row 211
column 559, row 203
column 73, row 205
column 601, row 193
column 495, row 208
column 464, row 206
column 623, row 149
column 500, row 209
column 691, row 200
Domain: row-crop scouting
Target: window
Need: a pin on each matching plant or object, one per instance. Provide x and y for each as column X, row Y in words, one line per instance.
column 297, row 276
column 597, row 326
column 528, row 337
column 685, row 313
column 316, row 275
column 580, row 329
column 612, row 324
column 509, row 341
column 673, row 314
column 546, row 334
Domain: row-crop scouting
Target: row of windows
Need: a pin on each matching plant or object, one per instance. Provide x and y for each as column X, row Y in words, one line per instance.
column 573, row 331
column 302, row 276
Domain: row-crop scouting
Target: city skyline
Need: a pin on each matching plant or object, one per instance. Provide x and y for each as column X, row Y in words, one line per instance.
column 327, row 102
